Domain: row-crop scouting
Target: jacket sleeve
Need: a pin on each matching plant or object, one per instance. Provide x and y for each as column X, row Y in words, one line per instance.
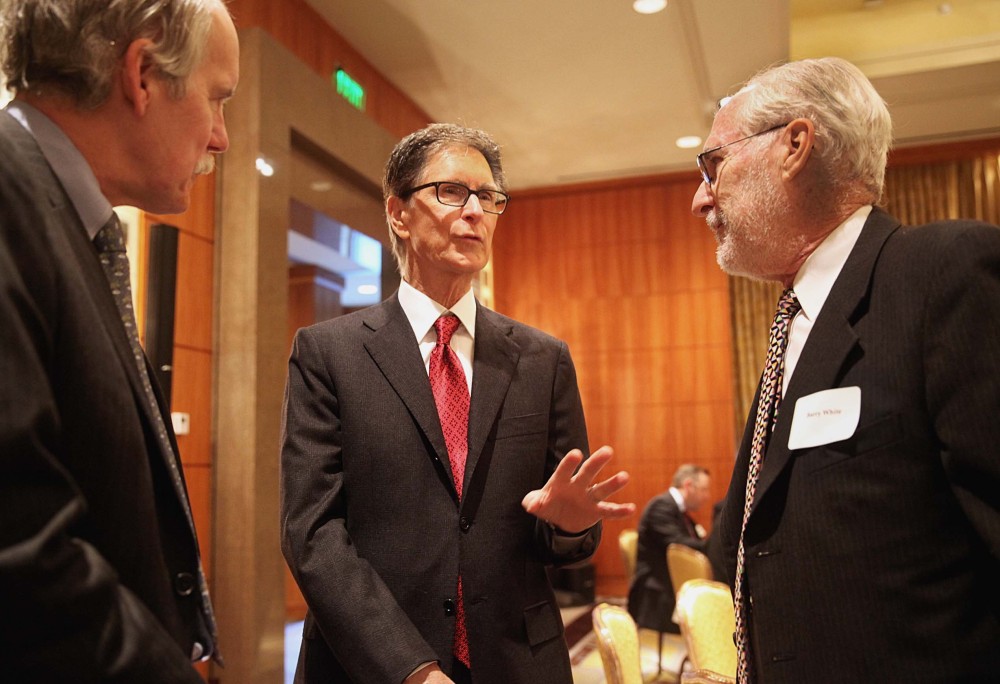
column 962, row 362
column 567, row 431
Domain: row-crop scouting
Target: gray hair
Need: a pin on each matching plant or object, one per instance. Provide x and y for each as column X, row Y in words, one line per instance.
column 74, row 46
column 688, row 471
column 411, row 155
column 852, row 121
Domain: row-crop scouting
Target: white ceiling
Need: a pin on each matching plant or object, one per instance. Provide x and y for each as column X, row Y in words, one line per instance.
column 579, row 90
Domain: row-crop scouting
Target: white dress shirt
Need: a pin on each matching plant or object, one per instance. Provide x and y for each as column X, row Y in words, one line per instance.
column 814, row 281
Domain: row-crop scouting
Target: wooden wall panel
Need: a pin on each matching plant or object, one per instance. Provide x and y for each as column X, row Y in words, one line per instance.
column 318, row 45
column 628, row 278
column 192, row 394
column 195, row 268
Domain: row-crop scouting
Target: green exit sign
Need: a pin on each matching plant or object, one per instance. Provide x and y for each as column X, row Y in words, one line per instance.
column 350, row 89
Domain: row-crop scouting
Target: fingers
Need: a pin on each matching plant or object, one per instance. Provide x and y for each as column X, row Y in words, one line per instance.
column 615, row 511
column 532, row 501
column 603, row 490
column 593, row 465
column 567, row 466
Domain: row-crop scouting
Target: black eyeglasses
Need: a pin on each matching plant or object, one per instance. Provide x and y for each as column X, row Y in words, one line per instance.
column 707, row 166
column 456, row 195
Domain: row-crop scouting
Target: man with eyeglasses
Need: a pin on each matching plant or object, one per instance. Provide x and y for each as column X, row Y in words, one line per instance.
column 861, row 530
column 431, row 455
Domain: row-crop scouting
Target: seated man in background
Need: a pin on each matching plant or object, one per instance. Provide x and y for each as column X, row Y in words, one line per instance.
column 665, row 521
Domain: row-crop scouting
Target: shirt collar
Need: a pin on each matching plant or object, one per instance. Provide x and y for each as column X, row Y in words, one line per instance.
column 818, row 274
column 421, row 311
column 679, row 498
column 70, row 167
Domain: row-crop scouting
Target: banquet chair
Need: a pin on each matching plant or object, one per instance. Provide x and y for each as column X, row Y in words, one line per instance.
column 628, row 540
column 685, row 563
column 618, row 644
column 705, row 614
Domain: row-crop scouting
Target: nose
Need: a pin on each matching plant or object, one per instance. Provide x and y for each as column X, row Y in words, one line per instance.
column 472, row 207
column 703, row 201
column 219, row 142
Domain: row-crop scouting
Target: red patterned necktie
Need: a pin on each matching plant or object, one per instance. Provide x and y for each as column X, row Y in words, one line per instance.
column 767, row 415
column 451, row 396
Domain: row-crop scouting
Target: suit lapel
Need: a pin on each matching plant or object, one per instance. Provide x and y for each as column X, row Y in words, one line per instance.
column 395, row 351
column 496, row 357
column 830, row 342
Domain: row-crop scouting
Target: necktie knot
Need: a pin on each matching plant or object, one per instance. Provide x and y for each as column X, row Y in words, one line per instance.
column 445, row 326
column 111, row 237
column 788, row 305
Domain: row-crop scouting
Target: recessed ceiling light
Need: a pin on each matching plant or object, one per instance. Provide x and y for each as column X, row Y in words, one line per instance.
column 649, row 6
column 367, row 289
column 688, row 141
column 321, row 186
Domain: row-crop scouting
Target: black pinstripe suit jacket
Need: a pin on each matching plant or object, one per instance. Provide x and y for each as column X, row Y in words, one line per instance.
column 877, row 558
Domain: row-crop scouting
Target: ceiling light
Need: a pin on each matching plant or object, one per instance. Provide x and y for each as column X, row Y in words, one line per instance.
column 321, row 186
column 649, row 6
column 944, row 9
column 264, row 168
column 688, row 141
column 367, row 289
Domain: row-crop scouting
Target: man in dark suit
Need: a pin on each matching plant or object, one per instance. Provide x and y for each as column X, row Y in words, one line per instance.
column 428, row 455
column 100, row 576
column 869, row 541
column 666, row 520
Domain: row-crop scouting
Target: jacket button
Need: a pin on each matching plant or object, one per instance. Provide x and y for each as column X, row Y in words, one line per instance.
column 184, row 583
column 449, row 607
column 464, row 524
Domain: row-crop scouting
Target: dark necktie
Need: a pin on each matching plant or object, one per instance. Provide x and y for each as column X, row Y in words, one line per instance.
column 451, row 396
column 110, row 244
column 767, row 415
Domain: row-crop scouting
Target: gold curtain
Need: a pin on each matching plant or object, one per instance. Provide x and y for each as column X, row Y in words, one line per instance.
column 915, row 192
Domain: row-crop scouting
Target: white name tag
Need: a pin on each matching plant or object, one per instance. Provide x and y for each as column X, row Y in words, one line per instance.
column 825, row 417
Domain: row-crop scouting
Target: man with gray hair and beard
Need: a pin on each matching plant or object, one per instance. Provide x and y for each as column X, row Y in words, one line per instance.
column 861, row 530
column 116, row 103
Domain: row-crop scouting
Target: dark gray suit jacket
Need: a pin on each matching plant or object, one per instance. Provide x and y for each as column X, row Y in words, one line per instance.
column 94, row 542
column 371, row 525
column 877, row 558
column 651, row 597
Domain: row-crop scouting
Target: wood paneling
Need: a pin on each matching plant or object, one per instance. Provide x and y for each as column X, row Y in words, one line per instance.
column 628, row 278
column 192, row 394
column 195, row 268
column 318, row 45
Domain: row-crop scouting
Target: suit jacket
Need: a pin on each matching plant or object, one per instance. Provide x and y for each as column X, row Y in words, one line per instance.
column 97, row 557
column 371, row 525
column 651, row 597
column 877, row 558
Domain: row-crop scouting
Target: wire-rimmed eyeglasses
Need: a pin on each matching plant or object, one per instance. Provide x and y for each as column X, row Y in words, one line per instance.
column 456, row 195
column 707, row 166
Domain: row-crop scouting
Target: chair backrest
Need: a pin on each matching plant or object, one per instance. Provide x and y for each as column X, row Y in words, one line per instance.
column 705, row 614
column 618, row 644
column 628, row 541
column 685, row 563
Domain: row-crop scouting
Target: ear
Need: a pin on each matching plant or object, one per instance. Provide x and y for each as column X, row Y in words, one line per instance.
column 136, row 75
column 799, row 138
column 396, row 210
